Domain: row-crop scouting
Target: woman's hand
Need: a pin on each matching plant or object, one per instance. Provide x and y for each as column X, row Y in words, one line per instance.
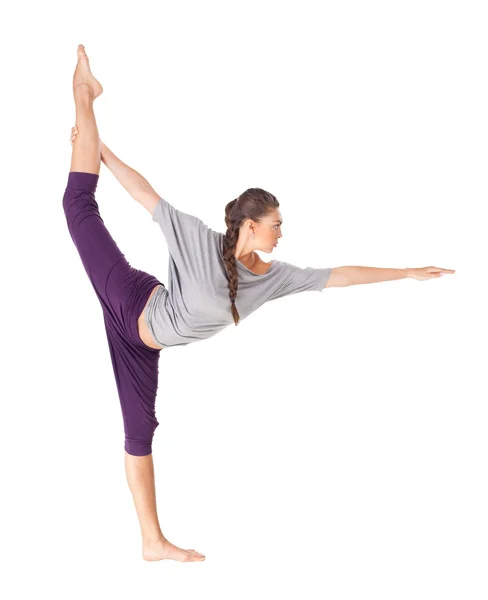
column 74, row 133
column 428, row 272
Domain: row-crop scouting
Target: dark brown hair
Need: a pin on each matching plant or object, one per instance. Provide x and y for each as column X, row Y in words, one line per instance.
column 254, row 204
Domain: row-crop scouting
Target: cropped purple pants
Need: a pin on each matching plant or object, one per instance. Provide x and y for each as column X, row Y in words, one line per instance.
column 123, row 292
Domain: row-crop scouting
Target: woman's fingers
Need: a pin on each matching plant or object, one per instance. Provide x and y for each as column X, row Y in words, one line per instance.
column 74, row 133
column 429, row 272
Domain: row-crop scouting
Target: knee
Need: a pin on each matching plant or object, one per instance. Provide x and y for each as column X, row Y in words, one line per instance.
column 72, row 206
column 67, row 201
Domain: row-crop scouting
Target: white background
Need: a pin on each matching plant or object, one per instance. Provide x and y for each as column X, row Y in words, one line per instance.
column 334, row 444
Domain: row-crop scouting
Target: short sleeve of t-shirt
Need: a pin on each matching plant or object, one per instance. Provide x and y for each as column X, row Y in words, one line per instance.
column 293, row 279
column 189, row 240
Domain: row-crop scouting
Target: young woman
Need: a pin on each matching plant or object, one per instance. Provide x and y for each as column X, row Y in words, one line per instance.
column 215, row 279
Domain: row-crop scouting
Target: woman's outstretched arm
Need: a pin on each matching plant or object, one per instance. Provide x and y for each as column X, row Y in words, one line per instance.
column 345, row 276
column 137, row 186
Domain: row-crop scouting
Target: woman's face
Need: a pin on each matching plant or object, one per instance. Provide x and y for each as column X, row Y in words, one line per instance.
column 268, row 231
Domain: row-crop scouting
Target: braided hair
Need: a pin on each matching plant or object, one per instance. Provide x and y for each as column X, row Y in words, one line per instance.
column 254, row 204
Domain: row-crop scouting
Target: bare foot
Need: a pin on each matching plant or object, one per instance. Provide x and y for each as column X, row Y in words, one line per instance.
column 162, row 548
column 83, row 74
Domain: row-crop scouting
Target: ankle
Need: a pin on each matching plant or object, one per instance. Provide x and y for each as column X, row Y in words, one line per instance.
column 83, row 90
column 152, row 537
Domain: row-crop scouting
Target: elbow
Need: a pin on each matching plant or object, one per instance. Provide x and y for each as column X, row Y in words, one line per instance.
column 339, row 278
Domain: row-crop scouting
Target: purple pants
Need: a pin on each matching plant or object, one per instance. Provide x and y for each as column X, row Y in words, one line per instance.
column 123, row 292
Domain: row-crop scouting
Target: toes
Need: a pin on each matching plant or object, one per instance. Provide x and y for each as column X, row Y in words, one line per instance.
column 197, row 554
column 81, row 51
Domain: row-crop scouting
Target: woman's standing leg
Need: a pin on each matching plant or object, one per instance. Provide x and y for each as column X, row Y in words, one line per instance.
column 139, row 469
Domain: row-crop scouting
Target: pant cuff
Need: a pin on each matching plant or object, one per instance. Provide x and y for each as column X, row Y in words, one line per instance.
column 78, row 180
column 138, row 448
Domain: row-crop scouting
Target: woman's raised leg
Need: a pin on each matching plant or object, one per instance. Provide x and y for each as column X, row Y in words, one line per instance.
column 86, row 153
column 86, row 160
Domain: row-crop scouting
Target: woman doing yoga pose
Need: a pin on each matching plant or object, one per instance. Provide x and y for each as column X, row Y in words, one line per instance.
column 215, row 279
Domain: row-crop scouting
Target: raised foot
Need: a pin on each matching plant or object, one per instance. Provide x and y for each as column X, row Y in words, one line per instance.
column 83, row 75
column 162, row 548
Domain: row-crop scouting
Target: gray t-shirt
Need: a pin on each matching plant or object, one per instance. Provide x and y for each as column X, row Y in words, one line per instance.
column 196, row 304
